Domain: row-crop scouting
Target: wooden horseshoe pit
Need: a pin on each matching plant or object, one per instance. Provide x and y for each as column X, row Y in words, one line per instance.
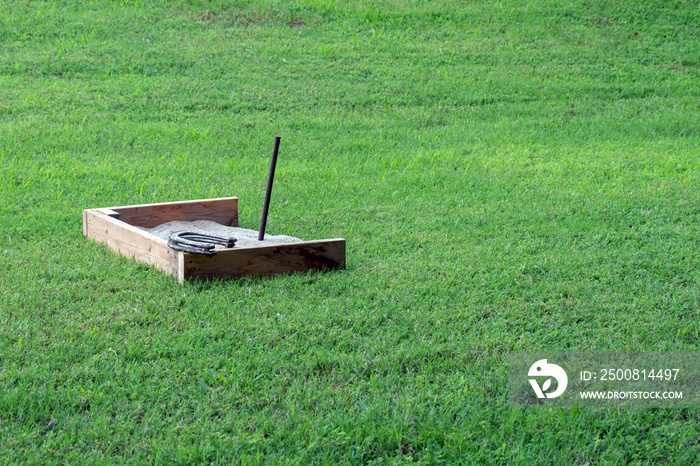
column 125, row 230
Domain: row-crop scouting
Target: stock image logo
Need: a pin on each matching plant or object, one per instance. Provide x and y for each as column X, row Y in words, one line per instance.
column 541, row 369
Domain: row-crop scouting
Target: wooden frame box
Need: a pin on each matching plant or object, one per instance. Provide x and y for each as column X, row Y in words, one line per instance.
column 116, row 227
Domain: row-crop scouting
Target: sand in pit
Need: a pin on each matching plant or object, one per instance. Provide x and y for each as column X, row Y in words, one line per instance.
column 245, row 237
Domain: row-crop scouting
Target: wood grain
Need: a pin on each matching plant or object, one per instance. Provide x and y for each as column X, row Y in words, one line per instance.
column 223, row 210
column 129, row 241
column 264, row 260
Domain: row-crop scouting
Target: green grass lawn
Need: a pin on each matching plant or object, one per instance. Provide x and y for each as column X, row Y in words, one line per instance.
column 509, row 176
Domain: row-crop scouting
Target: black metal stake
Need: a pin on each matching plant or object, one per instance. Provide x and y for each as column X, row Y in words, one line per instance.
column 268, row 191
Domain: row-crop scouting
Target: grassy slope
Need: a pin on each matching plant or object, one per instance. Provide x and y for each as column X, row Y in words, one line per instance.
column 509, row 176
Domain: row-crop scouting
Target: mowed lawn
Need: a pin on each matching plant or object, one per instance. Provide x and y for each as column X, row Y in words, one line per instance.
column 509, row 176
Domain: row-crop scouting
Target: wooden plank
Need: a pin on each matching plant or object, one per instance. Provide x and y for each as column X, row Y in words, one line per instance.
column 85, row 223
column 129, row 241
column 264, row 260
column 222, row 210
column 109, row 213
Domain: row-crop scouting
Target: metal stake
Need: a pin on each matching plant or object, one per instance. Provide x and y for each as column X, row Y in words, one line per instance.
column 268, row 191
